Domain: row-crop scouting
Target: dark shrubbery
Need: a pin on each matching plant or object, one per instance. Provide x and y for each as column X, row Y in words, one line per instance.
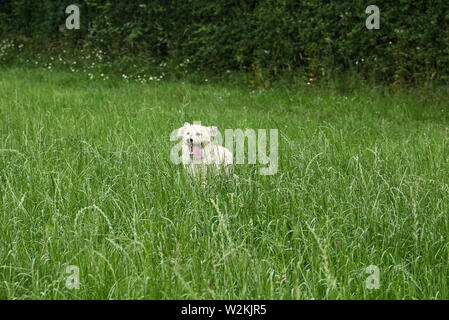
column 265, row 37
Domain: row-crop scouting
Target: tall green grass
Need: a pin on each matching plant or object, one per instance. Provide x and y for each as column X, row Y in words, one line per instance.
column 86, row 180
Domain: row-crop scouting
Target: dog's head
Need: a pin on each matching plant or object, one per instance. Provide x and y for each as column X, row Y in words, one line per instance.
column 196, row 137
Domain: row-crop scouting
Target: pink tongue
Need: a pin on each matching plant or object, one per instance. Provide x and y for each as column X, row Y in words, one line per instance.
column 197, row 154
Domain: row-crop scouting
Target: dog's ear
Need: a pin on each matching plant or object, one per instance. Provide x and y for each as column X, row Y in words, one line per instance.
column 182, row 130
column 213, row 131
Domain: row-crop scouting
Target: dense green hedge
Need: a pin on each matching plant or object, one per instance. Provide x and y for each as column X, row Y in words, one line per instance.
column 264, row 37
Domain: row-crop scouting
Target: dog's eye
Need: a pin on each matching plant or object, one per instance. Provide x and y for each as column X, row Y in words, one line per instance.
column 198, row 134
column 188, row 133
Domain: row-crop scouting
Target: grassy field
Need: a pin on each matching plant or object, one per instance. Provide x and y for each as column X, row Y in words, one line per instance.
column 86, row 180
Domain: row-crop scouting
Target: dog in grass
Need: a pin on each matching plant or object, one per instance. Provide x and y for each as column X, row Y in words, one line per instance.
column 199, row 152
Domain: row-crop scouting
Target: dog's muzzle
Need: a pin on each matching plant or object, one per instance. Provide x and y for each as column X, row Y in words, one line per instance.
column 195, row 151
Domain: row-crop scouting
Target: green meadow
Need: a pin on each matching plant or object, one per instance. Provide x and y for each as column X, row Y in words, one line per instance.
column 86, row 184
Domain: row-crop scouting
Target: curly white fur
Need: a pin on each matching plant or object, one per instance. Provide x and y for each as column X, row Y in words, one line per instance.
column 198, row 149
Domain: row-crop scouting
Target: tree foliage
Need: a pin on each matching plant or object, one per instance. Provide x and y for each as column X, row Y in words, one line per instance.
column 267, row 37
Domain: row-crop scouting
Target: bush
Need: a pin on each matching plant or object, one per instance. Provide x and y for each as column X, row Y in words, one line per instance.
column 264, row 37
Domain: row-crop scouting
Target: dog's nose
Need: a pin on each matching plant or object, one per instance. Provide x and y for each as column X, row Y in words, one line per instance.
column 190, row 140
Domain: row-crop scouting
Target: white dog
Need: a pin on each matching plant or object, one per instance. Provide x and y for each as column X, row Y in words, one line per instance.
column 198, row 149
